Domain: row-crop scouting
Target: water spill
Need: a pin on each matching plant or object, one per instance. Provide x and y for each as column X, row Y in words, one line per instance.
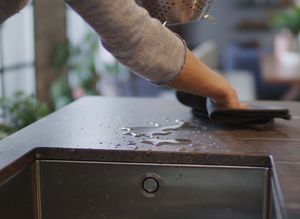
column 156, row 134
column 155, row 130
column 198, row 146
column 133, row 147
column 126, row 129
column 161, row 142
column 179, row 121
column 175, row 127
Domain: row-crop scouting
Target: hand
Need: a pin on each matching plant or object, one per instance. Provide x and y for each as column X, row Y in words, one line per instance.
column 10, row 7
column 197, row 78
column 230, row 100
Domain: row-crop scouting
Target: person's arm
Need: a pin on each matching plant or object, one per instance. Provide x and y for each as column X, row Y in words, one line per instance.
column 134, row 38
column 154, row 52
column 199, row 79
column 129, row 33
column 10, row 7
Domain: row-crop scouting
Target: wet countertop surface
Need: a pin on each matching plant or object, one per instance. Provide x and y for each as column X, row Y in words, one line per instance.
column 94, row 129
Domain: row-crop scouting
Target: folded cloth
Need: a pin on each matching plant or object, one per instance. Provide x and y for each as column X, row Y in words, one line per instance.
column 255, row 116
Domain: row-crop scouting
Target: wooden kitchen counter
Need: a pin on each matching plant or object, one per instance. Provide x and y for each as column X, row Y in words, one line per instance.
column 90, row 130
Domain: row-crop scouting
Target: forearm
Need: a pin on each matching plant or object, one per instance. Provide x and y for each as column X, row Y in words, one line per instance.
column 145, row 46
column 129, row 33
column 10, row 7
column 199, row 79
column 134, row 38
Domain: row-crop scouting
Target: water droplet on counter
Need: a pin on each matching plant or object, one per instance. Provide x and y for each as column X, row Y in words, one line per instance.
column 137, row 135
column 154, row 124
column 179, row 121
column 178, row 125
column 126, row 129
column 161, row 142
column 133, row 147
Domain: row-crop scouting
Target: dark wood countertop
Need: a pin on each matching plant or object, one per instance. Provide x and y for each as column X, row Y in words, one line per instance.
column 90, row 129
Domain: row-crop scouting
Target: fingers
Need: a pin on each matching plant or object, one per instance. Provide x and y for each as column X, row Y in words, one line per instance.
column 231, row 100
column 237, row 105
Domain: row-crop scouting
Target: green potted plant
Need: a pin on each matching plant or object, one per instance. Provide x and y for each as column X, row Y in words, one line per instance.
column 20, row 111
column 84, row 62
column 81, row 75
column 289, row 20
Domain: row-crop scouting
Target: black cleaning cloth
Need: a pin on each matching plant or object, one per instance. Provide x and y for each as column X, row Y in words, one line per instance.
column 255, row 116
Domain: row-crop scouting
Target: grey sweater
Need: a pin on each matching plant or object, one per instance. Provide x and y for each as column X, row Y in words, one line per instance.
column 129, row 33
column 134, row 38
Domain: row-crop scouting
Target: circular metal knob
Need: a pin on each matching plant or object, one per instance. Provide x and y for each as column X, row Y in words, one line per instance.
column 150, row 185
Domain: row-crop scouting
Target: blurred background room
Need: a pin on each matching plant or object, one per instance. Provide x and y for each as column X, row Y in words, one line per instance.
column 50, row 57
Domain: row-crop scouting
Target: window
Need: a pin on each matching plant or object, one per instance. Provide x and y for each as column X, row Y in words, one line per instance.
column 17, row 72
column 112, row 82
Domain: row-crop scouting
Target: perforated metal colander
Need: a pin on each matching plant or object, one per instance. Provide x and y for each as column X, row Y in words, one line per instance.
column 178, row 11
